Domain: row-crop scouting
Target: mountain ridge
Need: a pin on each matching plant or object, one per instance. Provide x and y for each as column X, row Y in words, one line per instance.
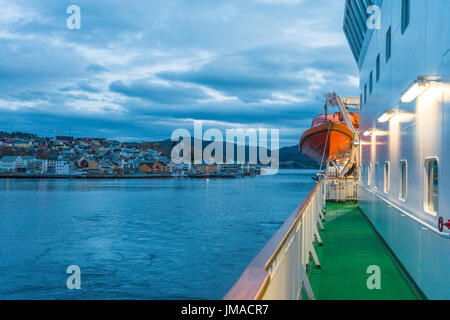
column 290, row 157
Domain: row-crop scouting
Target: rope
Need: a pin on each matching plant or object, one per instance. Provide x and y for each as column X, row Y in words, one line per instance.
column 325, row 148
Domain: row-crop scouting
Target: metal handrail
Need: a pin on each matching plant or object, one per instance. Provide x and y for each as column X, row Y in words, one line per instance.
column 255, row 280
column 289, row 251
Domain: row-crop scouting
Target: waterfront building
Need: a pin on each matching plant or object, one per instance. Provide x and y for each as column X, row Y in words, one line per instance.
column 207, row 168
column 23, row 143
column 11, row 163
column 62, row 168
column 153, row 167
column 37, row 166
column 93, row 165
column 65, row 139
column 52, row 162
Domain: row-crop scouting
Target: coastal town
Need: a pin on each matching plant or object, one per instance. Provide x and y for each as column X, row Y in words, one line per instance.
column 25, row 155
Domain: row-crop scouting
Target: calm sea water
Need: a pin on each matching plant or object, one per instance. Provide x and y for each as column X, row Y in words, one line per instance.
column 138, row 239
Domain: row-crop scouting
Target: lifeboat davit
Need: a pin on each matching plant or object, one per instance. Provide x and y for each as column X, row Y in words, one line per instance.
column 328, row 138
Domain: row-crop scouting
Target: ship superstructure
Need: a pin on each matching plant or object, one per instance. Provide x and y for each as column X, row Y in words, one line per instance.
column 392, row 221
column 404, row 68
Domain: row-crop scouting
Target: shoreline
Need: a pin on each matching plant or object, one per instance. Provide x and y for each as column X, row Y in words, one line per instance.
column 150, row 176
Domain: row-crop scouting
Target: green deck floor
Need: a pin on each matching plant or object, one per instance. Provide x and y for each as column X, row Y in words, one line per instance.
column 350, row 246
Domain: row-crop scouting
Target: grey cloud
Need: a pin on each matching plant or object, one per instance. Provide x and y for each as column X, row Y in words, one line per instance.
column 165, row 94
column 81, row 86
column 95, row 68
column 238, row 47
column 251, row 75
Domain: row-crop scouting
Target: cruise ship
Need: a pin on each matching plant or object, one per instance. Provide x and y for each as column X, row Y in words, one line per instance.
column 382, row 232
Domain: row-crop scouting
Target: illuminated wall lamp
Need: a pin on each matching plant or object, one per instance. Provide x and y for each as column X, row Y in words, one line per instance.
column 386, row 116
column 419, row 86
column 374, row 132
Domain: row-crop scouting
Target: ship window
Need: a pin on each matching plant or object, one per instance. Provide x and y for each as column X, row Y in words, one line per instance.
column 371, row 82
column 369, row 174
column 403, row 179
column 388, row 45
column 387, row 177
column 432, row 186
column 377, row 165
column 378, row 67
column 365, row 93
column 405, row 15
column 364, row 173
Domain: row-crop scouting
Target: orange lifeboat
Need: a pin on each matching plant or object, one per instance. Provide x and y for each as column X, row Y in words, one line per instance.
column 328, row 138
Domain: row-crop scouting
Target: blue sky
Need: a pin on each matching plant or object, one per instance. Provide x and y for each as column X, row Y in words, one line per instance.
column 137, row 70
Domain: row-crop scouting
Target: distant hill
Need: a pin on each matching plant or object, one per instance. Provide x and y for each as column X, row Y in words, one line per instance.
column 290, row 157
column 164, row 146
column 17, row 135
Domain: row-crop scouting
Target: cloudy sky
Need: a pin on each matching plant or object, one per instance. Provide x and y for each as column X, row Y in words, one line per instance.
column 137, row 70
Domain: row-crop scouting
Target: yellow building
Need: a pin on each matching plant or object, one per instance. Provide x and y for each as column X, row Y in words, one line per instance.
column 93, row 165
column 207, row 168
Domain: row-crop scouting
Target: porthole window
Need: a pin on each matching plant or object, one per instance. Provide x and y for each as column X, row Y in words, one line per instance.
column 378, row 68
column 405, row 14
column 387, row 177
column 377, row 165
column 388, row 45
column 403, row 179
column 431, row 186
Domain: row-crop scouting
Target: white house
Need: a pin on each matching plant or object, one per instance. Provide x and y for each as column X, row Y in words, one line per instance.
column 62, row 167
column 23, row 143
column 38, row 166
column 27, row 161
column 11, row 163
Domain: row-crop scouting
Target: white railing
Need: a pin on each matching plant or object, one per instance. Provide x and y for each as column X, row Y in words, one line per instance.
column 279, row 270
column 288, row 266
column 341, row 189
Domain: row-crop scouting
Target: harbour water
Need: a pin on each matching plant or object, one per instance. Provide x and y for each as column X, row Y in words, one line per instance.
column 138, row 239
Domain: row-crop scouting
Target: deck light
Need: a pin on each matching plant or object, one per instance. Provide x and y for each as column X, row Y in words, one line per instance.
column 419, row 86
column 386, row 116
column 374, row 132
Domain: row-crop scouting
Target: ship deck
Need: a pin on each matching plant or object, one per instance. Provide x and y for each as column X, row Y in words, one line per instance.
column 350, row 246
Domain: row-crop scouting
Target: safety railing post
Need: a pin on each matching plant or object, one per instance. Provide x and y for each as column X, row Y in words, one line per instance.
column 280, row 273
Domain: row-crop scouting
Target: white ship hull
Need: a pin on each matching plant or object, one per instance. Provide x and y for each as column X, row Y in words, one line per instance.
column 405, row 208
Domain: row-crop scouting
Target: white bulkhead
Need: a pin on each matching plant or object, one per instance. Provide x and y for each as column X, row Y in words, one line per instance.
column 405, row 174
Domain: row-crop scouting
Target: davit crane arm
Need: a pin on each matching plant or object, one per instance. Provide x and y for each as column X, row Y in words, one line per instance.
column 334, row 100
